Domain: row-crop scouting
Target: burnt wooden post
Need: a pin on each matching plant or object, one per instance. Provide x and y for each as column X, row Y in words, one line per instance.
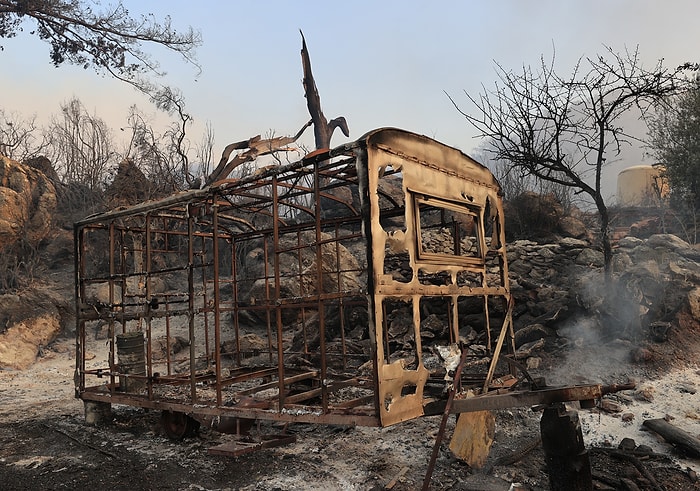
column 567, row 460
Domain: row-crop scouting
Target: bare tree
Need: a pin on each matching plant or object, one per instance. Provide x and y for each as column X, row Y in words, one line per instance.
column 564, row 129
column 152, row 153
column 17, row 136
column 172, row 102
column 80, row 146
column 204, row 151
column 110, row 40
column 515, row 181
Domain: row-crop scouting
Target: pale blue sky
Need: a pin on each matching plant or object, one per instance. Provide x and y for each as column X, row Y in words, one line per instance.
column 378, row 63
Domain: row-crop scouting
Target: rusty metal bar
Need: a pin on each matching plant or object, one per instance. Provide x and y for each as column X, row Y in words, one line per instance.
column 443, row 421
column 283, row 383
column 243, row 374
column 191, row 313
column 205, row 292
column 341, row 307
column 268, row 317
column 300, row 266
column 111, row 319
column 217, row 304
column 298, row 414
column 497, row 349
column 278, row 310
column 330, row 388
column 122, row 279
column 491, row 401
column 319, row 283
column 148, row 281
column 80, row 338
column 236, row 307
column 168, row 360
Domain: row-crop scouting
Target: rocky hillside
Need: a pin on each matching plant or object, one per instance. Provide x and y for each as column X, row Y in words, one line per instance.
column 649, row 313
column 35, row 264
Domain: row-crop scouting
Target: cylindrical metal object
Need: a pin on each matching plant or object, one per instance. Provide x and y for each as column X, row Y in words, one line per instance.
column 132, row 361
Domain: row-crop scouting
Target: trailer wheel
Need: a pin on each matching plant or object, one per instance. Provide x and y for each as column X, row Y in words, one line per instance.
column 178, row 425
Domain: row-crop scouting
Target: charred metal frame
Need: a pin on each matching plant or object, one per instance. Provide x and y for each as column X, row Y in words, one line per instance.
column 317, row 291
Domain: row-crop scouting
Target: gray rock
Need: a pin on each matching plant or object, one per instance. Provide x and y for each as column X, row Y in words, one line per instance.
column 570, row 243
column 667, row 241
column 546, row 253
column 629, row 242
column 621, row 262
column 573, row 227
column 523, row 243
column 694, row 302
column 590, row 257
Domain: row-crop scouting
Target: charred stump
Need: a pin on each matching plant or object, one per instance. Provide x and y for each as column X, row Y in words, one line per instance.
column 568, row 465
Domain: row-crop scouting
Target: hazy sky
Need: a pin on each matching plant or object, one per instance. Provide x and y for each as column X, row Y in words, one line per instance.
column 378, row 63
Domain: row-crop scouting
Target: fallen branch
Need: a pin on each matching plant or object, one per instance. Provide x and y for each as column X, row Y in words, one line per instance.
column 607, row 478
column 619, row 454
column 515, row 456
column 640, row 454
column 673, row 435
column 80, row 442
column 393, row 482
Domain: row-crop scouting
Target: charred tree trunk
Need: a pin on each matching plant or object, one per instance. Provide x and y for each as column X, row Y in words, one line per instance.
column 605, row 238
column 323, row 129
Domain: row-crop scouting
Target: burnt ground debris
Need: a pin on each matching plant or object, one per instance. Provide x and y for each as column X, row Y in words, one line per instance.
column 46, row 445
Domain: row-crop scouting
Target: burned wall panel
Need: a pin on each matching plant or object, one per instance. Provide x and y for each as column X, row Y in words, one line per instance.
column 442, row 251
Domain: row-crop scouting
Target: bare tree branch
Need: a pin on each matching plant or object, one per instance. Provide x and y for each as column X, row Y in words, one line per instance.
column 565, row 129
column 110, row 40
column 255, row 147
column 17, row 136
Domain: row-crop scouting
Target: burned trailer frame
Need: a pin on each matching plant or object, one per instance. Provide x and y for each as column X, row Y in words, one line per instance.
column 341, row 289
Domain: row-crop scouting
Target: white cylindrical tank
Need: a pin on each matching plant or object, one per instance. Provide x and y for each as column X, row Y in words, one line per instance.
column 641, row 185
